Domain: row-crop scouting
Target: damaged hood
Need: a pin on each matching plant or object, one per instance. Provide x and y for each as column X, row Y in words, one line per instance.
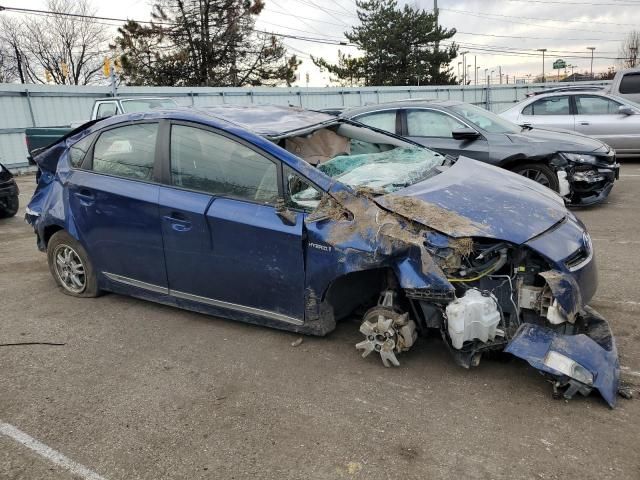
column 472, row 198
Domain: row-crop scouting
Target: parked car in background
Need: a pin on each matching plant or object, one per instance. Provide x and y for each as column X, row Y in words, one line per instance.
column 581, row 169
column 626, row 84
column 609, row 118
column 296, row 219
column 9, row 193
column 38, row 137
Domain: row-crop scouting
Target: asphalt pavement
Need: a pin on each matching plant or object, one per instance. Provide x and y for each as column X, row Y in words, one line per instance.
column 146, row 391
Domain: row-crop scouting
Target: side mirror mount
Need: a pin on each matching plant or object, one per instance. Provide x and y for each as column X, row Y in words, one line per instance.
column 626, row 110
column 465, row 134
column 287, row 216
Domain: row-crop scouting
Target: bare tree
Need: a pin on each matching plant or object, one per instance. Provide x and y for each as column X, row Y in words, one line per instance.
column 629, row 49
column 67, row 47
column 14, row 59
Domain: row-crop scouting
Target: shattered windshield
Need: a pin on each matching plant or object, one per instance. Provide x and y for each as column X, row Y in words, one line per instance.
column 385, row 171
column 360, row 157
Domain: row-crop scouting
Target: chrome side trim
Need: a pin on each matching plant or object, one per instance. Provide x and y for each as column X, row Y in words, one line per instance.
column 234, row 306
column 136, row 283
column 196, row 298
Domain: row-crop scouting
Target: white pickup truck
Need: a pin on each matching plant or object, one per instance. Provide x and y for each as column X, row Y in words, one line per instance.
column 38, row 137
column 626, row 84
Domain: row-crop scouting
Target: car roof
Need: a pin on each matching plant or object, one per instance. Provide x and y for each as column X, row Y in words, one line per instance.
column 271, row 121
column 408, row 103
column 268, row 120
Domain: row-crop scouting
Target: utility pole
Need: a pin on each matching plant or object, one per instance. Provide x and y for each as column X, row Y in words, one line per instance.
column 542, row 50
column 459, row 79
column 464, row 67
column 475, row 69
column 592, row 49
column 436, row 47
column 500, row 71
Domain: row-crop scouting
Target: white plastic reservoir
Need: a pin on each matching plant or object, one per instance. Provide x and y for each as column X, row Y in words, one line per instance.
column 473, row 316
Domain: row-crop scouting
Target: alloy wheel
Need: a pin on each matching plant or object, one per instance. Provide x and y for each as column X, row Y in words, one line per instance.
column 70, row 269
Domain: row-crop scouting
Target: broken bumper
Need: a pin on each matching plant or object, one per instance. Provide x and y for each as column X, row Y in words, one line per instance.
column 579, row 362
column 591, row 185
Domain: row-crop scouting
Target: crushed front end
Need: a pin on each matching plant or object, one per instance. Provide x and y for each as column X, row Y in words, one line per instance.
column 480, row 292
column 590, row 176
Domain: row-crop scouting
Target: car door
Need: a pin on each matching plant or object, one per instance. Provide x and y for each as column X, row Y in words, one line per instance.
column 113, row 198
column 224, row 243
column 553, row 112
column 434, row 129
column 598, row 117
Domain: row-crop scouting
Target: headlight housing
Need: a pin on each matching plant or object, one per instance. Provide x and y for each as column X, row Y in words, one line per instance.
column 568, row 367
column 581, row 158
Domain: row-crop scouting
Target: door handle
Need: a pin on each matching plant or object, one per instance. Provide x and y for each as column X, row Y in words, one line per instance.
column 178, row 222
column 584, row 123
column 85, row 196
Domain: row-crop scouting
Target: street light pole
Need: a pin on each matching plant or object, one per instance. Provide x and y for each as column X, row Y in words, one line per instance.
column 542, row 50
column 459, row 79
column 592, row 49
column 464, row 67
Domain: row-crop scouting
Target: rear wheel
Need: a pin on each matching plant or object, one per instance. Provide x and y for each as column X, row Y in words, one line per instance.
column 540, row 173
column 9, row 206
column 70, row 266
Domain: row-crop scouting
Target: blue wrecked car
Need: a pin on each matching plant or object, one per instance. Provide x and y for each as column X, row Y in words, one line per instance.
column 296, row 219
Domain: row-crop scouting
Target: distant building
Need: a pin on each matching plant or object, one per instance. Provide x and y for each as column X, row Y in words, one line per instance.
column 577, row 77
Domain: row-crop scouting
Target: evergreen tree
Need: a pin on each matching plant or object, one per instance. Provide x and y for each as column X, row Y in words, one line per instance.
column 203, row 43
column 398, row 47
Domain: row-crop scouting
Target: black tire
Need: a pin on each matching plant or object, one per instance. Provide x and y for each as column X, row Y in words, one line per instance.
column 9, row 207
column 65, row 254
column 540, row 173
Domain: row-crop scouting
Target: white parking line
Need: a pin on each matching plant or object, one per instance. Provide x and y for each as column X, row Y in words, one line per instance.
column 47, row 452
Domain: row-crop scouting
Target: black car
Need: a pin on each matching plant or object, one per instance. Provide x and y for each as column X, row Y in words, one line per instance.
column 8, row 193
column 579, row 168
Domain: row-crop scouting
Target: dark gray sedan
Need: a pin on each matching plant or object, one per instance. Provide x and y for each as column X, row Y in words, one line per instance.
column 579, row 168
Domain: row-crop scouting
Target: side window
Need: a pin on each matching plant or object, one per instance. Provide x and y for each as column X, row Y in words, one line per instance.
column 592, row 105
column 528, row 110
column 106, row 109
column 383, row 120
column 205, row 161
column 300, row 193
column 127, row 151
column 630, row 83
column 550, row 106
column 430, row 123
column 78, row 150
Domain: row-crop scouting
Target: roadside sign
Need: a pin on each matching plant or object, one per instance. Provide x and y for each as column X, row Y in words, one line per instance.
column 559, row 64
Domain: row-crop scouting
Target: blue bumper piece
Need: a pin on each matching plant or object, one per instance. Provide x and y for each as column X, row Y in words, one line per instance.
column 595, row 350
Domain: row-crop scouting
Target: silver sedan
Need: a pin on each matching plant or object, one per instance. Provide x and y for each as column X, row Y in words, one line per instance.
column 611, row 119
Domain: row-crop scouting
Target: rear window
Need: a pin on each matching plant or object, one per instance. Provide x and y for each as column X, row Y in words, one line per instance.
column 630, row 83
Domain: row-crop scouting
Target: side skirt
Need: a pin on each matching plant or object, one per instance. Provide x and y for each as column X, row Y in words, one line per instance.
column 122, row 285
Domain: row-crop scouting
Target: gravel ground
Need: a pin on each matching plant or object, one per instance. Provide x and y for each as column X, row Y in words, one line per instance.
column 141, row 390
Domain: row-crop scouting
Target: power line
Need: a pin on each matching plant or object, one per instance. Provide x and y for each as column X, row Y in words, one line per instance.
column 29, row 11
column 579, row 3
column 544, row 19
